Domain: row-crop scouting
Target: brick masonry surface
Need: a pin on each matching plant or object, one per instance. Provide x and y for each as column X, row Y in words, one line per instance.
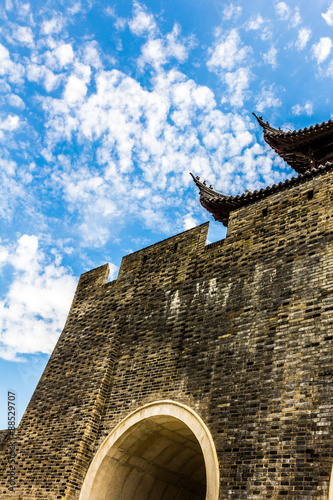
column 239, row 330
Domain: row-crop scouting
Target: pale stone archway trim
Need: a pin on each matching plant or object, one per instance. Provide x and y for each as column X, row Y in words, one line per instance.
column 158, row 408
column 330, row 494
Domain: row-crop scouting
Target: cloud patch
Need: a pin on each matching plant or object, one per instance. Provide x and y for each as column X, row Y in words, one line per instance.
column 230, row 11
column 35, row 307
column 142, row 22
column 228, row 53
column 270, row 57
column 267, row 98
column 8, row 68
column 23, row 35
column 157, row 52
column 306, row 109
column 322, row 49
column 303, row 37
column 285, row 13
column 328, row 15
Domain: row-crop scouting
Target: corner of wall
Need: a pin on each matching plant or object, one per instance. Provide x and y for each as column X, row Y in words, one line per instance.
column 94, row 279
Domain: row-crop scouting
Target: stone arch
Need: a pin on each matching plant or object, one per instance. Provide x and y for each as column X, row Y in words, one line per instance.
column 330, row 493
column 161, row 451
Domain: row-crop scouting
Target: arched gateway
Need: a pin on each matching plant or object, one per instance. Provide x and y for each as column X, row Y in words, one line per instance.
column 161, row 451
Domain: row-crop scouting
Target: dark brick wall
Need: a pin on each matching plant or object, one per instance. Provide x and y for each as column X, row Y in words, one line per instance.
column 239, row 330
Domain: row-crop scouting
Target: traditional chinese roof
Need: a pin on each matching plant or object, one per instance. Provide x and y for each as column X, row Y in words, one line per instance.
column 302, row 149
column 221, row 205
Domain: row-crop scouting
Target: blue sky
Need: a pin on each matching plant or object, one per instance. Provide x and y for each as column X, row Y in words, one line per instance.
column 105, row 108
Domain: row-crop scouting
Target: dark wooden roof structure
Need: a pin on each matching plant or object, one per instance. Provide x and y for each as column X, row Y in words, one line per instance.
column 308, row 151
column 216, row 203
column 302, row 149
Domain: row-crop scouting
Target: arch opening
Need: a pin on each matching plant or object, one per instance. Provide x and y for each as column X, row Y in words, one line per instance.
column 161, row 452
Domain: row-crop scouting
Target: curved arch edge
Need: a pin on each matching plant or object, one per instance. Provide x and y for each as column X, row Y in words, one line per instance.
column 157, row 408
column 330, row 493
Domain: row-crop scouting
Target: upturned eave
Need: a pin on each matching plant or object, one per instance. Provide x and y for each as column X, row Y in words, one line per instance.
column 220, row 205
column 302, row 149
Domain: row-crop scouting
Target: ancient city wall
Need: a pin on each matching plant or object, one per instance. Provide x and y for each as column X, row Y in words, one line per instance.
column 239, row 330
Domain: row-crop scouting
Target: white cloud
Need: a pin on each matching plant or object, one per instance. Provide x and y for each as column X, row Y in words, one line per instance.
column 328, row 15
column 75, row 90
column 228, row 53
column 59, row 58
column 75, row 8
column 189, row 222
column 14, row 71
column 53, row 25
column 282, row 10
column 65, row 54
column 255, row 23
column 23, row 34
column 10, row 189
column 158, row 51
column 285, row 13
column 91, row 54
column 24, row 13
column 4, row 253
column 109, row 11
column 4, row 87
column 8, row 5
column 261, row 25
column 176, row 47
column 42, row 74
column 231, row 11
column 304, row 36
column 307, row 109
column 267, row 99
column 270, row 57
column 16, row 101
column 82, row 71
column 34, row 310
column 10, row 123
column 329, row 69
column 238, row 83
column 120, row 23
column 296, row 19
column 142, row 21
column 153, row 53
column 8, row 166
column 322, row 49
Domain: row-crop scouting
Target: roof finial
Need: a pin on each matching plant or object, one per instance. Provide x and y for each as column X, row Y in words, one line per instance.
column 266, row 126
column 261, row 121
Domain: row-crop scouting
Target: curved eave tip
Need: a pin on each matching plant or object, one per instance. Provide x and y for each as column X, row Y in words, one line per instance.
column 267, row 127
column 196, row 179
column 260, row 121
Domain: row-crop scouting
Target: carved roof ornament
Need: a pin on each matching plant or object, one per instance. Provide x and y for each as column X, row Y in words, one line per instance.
column 302, row 149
